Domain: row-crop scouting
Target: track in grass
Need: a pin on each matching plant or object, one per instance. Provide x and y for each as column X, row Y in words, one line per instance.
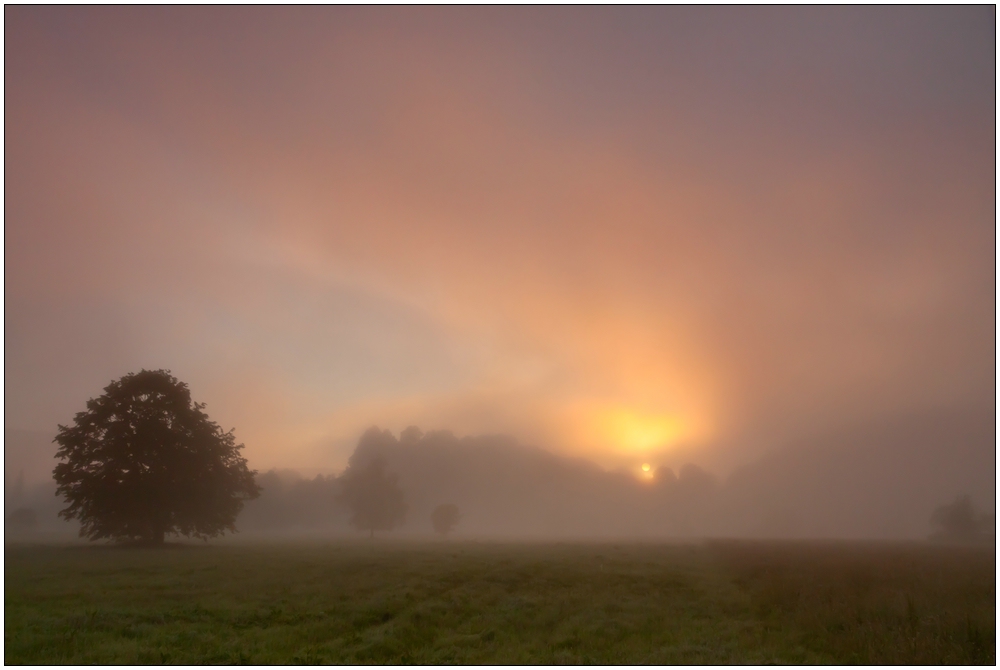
column 399, row 602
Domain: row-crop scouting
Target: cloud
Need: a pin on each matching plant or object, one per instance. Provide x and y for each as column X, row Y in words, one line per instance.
column 576, row 227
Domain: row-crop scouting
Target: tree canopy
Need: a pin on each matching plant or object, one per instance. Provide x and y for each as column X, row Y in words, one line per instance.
column 373, row 495
column 144, row 460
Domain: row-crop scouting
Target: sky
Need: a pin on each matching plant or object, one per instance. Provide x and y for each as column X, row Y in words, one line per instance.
column 646, row 234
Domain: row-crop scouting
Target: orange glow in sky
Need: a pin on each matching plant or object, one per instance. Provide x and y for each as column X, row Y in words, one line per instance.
column 632, row 431
column 629, row 234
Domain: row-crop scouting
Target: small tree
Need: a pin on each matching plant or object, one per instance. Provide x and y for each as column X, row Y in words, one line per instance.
column 374, row 496
column 959, row 521
column 444, row 518
column 144, row 460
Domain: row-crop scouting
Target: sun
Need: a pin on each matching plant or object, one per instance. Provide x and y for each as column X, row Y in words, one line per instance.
column 645, row 467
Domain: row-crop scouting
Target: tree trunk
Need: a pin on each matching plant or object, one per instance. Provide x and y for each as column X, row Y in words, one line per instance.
column 371, row 534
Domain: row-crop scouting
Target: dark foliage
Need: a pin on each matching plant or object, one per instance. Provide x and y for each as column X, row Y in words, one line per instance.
column 144, row 460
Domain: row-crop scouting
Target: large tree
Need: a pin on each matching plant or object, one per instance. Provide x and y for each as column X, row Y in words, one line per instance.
column 144, row 460
column 373, row 495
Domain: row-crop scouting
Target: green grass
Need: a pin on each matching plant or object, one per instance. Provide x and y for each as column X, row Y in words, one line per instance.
column 443, row 603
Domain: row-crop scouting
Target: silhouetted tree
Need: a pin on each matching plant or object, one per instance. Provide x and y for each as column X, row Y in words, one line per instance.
column 960, row 522
column 373, row 495
column 144, row 460
column 445, row 518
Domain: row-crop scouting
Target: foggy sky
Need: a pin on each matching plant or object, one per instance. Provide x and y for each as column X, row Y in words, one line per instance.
column 659, row 234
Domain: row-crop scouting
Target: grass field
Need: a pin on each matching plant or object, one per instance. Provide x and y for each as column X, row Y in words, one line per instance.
column 452, row 602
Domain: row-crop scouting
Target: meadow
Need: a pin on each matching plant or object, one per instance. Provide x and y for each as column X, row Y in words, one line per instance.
column 451, row 602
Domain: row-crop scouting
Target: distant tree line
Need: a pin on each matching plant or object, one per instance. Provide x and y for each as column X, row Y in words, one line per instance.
column 144, row 461
column 367, row 497
column 289, row 501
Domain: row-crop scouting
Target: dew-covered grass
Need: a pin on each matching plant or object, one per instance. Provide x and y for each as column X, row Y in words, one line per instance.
column 390, row 601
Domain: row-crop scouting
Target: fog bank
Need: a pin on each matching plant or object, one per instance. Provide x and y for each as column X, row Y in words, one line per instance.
column 880, row 480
